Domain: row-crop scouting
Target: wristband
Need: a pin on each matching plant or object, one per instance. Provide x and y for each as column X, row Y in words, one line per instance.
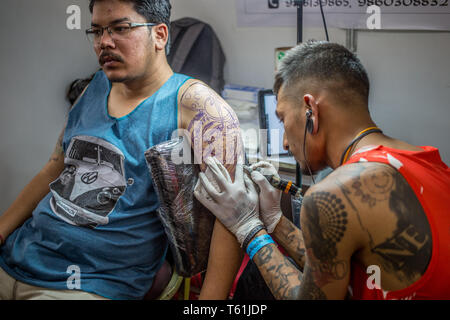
column 257, row 244
column 251, row 235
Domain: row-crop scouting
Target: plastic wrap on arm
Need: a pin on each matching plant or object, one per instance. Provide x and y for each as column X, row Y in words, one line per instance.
column 187, row 223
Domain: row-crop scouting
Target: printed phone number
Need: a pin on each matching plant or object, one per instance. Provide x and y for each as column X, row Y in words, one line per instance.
column 368, row 3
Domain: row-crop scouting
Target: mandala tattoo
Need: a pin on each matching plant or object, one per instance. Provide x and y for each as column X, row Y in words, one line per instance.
column 326, row 226
column 330, row 223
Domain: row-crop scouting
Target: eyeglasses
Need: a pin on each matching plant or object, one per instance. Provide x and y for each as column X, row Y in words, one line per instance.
column 118, row 32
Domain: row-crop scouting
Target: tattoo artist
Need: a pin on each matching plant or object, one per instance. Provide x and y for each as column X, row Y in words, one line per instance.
column 375, row 228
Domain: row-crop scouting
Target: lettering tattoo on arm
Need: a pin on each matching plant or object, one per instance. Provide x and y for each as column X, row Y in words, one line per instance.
column 281, row 276
column 407, row 252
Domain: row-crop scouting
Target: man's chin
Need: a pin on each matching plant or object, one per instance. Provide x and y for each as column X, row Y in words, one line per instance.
column 113, row 77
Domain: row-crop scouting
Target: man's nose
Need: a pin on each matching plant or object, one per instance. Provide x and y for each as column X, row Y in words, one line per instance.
column 285, row 142
column 106, row 39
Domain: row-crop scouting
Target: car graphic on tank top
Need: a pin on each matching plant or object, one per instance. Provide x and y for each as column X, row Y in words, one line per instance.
column 92, row 182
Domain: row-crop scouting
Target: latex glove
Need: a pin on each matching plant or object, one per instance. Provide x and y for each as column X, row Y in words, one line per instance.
column 269, row 197
column 234, row 204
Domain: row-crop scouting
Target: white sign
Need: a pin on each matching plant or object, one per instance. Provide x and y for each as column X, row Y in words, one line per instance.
column 347, row 14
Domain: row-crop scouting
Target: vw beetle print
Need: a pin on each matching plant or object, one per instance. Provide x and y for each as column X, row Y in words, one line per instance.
column 92, row 182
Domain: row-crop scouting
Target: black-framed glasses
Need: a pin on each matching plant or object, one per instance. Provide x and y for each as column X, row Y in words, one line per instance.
column 117, row 31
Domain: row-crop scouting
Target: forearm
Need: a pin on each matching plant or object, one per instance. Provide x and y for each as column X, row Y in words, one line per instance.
column 22, row 208
column 280, row 275
column 291, row 239
column 224, row 251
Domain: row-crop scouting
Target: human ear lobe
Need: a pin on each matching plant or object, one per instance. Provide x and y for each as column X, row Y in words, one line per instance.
column 312, row 113
column 161, row 36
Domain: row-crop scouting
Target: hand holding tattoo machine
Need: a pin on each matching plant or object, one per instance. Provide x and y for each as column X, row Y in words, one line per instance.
column 235, row 204
column 270, row 187
column 275, row 181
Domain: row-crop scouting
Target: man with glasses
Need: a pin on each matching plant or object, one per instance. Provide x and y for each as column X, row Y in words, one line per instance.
column 84, row 228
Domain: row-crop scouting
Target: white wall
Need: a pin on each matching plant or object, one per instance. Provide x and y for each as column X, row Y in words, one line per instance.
column 39, row 57
column 409, row 71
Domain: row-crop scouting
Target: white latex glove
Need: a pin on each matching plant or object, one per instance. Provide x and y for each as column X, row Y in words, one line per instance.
column 269, row 197
column 234, row 204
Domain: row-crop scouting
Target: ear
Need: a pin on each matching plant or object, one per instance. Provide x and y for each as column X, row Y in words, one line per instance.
column 311, row 104
column 161, row 36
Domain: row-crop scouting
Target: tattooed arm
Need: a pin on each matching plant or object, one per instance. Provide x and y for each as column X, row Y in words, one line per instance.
column 213, row 130
column 290, row 238
column 22, row 208
column 329, row 246
column 332, row 235
column 366, row 212
column 397, row 235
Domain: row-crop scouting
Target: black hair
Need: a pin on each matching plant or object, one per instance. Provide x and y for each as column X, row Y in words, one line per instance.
column 322, row 61
column 155, row 11
column 76, row 88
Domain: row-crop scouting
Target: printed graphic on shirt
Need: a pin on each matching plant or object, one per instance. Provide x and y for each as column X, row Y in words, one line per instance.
column 92, row 182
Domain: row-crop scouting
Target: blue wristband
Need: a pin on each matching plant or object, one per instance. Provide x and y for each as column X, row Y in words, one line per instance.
column 258, row 243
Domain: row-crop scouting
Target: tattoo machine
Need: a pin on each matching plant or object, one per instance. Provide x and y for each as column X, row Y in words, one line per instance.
column 286, row 186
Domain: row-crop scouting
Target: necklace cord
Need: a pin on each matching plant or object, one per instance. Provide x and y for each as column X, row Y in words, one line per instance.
column 358, row 137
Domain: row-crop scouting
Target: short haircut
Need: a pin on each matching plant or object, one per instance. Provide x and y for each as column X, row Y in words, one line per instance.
column 322, row 62
column 155, row 11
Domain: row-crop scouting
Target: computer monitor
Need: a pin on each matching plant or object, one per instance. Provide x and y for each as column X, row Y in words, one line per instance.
column 268, row 120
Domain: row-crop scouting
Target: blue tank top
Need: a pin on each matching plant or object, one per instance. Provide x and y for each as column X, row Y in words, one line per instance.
column 99, row 224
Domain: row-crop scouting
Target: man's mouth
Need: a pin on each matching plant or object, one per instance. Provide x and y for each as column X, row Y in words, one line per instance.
column 109, row 60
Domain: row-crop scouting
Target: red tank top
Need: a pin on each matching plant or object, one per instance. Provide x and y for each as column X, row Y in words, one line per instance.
column 429, row 178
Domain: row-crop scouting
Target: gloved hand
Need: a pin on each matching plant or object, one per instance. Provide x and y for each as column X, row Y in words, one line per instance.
column 269, row 197
column 234, row 204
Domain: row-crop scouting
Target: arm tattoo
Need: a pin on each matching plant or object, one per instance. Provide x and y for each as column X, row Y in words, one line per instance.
column 214, row 129
column 325, row 228
column 58, row 152
column 310, row 290
column 280, row 275
column 291, row 239
column 407, row 252
column 378, row 184
column 346, row 192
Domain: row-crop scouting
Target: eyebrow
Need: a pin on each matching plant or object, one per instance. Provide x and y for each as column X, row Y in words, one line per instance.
column 113, row 22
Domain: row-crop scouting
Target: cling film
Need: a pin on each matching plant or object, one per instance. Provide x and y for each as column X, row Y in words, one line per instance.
column 187, row 223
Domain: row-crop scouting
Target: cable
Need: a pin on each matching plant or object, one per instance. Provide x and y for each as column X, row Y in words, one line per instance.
column 324, row 22
column 306, row 159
